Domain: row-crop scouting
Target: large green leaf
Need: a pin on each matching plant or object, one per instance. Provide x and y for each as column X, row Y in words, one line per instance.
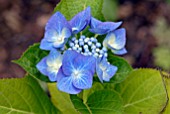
column 100, row 102
column 143, row 92
column 24, row 96
column 87, row 92
column 69, row 8
column 30, row 58
column 61, row 100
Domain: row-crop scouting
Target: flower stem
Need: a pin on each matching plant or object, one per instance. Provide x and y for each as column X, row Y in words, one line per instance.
column 96, row 35
column 81, row 33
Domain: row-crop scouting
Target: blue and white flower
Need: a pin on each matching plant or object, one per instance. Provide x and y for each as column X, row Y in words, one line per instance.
column 105, row 71
column 50, row 65
column 76, row 73
column 83, row 56
column 57, row 32
column 116, row 41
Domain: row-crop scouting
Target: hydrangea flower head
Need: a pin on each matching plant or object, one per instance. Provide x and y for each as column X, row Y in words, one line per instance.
column 73, row 67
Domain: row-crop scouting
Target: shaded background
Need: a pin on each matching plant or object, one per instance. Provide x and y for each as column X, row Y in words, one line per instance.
column 147, row 23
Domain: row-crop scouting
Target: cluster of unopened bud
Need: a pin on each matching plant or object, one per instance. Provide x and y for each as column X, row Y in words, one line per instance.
column 88, row 46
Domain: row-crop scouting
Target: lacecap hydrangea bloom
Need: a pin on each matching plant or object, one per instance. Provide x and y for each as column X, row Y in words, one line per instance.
column 74, row 58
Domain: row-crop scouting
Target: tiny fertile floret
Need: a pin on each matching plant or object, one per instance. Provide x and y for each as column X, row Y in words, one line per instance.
column 74, row 56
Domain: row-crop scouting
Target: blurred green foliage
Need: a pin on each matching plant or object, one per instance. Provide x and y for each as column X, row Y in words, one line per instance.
column 162, row 52
column 168, row 1
column 110, row 9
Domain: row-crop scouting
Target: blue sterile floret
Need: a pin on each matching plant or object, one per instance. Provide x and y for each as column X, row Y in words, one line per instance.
column 76, row 72
column 57, row 32
column 104, row 69
column 116, row 41
column 50, row 64
column 73, row 66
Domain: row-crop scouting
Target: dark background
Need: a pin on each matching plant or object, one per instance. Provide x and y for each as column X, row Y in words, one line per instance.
column 22, row 24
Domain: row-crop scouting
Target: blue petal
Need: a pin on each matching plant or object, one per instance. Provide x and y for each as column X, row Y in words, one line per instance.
column 51, row 35
column 104, row 70
column 104, row 63
column 42, row 66
column 105, row 41
column 53, row 55
column 94, row 22
column 85, row 63
column 60, row 74
column 109, row 73
column 99, row 31
column 110, row 26
column 54, row 62
column 83, row 80
column 80, row 21
column 45, row 45
column 52, row 76
column 68, row 61
column 105, row 28
column 120, row 39
column 119, row 52
column 57, row 22
column 99, row 73
column 101, row 28
column 60, row 44
column 65, row 84
column 116, row 39
column 101, row 66
column 62, row 38
column 66, row 32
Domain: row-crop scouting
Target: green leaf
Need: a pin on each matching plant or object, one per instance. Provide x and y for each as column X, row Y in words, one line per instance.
column 61, row 100
column 30, row 58
column 69, row 8
column 143, row 92
column 24, row 96
column 168, row 1
column 166, row 78
column 100, row 102
column 110, row 9
column 87, row 92
column 123, row 68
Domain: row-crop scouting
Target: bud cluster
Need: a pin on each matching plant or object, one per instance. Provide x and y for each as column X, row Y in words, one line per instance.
column 88, row 46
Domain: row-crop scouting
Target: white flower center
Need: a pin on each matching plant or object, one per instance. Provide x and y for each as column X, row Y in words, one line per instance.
column 76, row 74
column 102, row 67
column 54, row 66
column 60, row 39
column 111, row 41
